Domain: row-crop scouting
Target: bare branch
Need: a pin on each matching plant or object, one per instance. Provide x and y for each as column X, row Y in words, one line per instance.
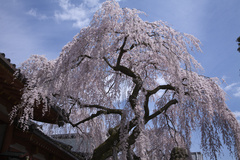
column 151, row 92
column 100, row 112
column 108, row 110
column 91, row 117
column 108, row 63
column 169, row 87
column 171, row 102
column 121, row 68
column 125, row 71
column 121, row 51
column 136, row 79
column 80, row 61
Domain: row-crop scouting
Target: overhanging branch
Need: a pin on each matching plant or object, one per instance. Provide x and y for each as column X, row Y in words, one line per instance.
column 109, row 111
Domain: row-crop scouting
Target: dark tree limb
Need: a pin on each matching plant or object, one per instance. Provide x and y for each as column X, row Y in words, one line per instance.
column 104, row 150
column 132, row 138
column 121, row 68
column 89, row 118
column 161, row 110
column 107, row 110
column 125, row 70
column 151, row 92
column 136, row 79
column 121, row 51
column 133, row 97
column 79, row 61
column 169, row 87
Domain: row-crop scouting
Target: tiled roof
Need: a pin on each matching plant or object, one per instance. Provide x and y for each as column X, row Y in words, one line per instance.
column 62, row 146
column 7, row 62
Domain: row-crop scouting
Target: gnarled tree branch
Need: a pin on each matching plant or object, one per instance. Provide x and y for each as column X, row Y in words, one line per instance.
column 107, row 110
column 161, row 110
column 151, row 92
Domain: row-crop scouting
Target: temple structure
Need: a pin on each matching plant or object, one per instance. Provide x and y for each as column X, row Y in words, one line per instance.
column 32, row 144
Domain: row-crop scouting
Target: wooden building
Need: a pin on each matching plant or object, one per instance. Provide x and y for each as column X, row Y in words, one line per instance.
column 16, row 144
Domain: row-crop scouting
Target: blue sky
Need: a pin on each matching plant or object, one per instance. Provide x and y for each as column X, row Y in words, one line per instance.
column 44, row 27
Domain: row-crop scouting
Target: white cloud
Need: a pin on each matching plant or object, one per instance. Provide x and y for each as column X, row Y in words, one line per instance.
column 80, row 14
column 237, row 114
column 234, row 88
column 91, row 3
column 34, row 13
column 229, row 87
column 237, row 93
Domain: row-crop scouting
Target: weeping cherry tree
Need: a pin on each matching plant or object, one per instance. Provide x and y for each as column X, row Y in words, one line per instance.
column 133, row 87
